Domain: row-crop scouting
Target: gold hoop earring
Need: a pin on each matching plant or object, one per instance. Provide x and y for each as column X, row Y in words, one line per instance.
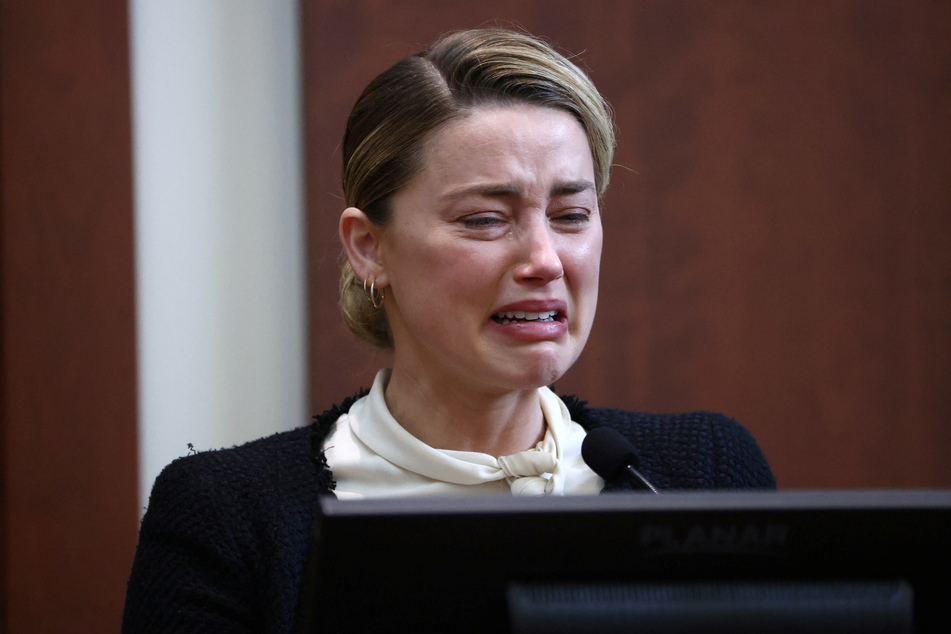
column 374, row 296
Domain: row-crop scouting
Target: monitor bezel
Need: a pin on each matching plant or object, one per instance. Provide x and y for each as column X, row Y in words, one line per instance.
column 385, row 561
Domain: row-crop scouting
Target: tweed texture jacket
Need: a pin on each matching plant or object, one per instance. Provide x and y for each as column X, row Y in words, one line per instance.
column 223, row 543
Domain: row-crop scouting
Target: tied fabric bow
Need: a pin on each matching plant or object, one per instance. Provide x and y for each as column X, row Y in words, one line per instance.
column 525, row 471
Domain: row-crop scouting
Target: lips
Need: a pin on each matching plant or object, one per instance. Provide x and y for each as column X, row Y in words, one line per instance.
column 516, row 316
column 539, row 312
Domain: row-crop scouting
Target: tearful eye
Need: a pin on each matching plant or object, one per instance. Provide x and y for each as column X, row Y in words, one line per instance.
column 484, row 225
column 481, row 221
column 577, row 216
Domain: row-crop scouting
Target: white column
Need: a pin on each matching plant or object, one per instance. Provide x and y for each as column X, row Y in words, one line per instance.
column 219, row 224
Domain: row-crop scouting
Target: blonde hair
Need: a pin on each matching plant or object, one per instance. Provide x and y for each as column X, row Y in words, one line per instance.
column 402, row 106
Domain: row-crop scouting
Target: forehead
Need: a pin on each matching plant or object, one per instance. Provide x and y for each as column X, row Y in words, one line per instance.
column 507, row 146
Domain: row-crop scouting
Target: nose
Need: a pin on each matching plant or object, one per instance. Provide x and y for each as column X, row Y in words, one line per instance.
column 540, row 260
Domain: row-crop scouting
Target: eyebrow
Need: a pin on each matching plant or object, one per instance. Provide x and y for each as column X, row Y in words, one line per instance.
column 562, row 188
column 571, row 187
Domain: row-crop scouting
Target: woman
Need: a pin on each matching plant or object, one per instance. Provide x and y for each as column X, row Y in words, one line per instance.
column 472, row 174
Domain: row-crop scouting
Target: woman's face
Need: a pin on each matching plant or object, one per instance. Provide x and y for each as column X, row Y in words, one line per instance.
column 492, row 254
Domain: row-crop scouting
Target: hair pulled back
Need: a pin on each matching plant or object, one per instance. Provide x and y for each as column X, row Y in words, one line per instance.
column 404, row 105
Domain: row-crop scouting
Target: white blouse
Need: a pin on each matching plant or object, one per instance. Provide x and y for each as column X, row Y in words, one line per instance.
column 371, row 455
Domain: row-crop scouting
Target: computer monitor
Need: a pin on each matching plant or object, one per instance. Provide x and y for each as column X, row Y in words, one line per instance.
column 800, row 561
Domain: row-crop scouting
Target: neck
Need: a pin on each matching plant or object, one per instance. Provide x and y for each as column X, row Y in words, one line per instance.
column 495, row 423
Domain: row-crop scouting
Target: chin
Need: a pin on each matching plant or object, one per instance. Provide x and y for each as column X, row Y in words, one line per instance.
column 543, row 375
column 542, row 368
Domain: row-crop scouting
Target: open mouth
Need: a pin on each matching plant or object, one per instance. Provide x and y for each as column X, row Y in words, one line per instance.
column 522, row 317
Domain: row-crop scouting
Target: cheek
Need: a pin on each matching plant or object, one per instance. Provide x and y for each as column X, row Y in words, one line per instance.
column 473, row 276
column 448, row 274
column 413, row 260
column 584, row 262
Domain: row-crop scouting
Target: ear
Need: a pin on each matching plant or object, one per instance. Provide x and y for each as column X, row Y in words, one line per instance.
column 362, row 241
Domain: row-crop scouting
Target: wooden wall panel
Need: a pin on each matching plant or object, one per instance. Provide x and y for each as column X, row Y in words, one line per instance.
column 69, row 507
column 777, row 229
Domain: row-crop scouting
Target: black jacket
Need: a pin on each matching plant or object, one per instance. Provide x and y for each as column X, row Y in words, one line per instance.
column 223, row 543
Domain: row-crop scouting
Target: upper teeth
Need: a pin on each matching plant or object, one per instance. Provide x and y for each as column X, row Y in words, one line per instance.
column 548, row 315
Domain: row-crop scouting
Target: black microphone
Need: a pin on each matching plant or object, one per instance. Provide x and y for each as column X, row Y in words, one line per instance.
column 613, row 457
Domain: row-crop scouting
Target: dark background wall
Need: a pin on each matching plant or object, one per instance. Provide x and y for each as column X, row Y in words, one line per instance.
column 777, row 229
column 69, row 505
